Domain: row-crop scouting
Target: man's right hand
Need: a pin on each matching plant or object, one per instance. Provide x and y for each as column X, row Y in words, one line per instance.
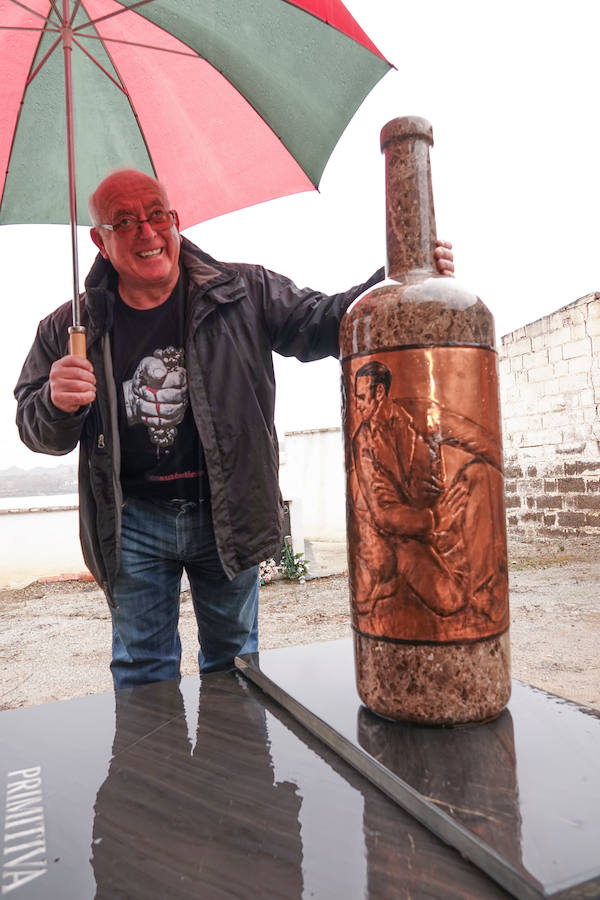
column 72, row 383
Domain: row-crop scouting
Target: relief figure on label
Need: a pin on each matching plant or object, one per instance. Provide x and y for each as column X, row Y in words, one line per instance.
column 421, row 480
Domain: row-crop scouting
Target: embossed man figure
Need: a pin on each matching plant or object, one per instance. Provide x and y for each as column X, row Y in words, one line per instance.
column 173, row 413
column 415, row 525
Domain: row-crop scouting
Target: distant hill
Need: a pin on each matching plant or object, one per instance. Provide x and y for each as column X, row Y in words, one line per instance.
column 40, row 481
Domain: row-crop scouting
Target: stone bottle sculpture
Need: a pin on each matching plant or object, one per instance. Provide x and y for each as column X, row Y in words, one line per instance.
column 427, row 553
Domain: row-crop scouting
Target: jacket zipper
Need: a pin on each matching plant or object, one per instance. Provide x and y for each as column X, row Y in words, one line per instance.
column 98, row 426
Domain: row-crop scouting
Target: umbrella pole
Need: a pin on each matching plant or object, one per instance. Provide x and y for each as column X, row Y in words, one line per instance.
column 77, row 341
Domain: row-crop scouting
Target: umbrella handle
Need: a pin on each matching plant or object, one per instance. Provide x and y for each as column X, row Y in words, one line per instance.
column 77, row 341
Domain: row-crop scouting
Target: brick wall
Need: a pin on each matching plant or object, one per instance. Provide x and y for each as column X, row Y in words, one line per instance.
column 550, row 390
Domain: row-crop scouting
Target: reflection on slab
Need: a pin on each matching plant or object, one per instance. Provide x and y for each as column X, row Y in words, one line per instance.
column 204, row 788
column 519, row 796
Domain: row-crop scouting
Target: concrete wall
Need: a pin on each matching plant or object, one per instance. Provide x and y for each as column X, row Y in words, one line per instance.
column 313, row 470
column 550, row 389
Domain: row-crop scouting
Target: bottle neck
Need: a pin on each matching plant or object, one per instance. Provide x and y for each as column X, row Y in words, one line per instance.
column 410, row 216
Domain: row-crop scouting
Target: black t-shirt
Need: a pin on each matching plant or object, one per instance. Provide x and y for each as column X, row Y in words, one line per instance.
column 161, row 453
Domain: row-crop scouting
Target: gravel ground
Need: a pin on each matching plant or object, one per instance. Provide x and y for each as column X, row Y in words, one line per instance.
column 55, row 638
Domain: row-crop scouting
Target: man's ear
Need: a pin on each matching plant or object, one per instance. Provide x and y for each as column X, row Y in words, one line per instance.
column 176, row 222
column 97, row 239
column 379, row 392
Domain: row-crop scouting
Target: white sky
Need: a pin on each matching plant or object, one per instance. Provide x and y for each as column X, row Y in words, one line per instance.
column 511, row 90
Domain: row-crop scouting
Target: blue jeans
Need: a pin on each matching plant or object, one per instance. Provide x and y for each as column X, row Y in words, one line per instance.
column 159, row 540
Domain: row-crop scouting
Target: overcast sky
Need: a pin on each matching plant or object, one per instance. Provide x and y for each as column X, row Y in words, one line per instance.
column 511, row 90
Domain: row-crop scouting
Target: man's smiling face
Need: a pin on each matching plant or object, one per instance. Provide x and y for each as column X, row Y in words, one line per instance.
column 144, row 258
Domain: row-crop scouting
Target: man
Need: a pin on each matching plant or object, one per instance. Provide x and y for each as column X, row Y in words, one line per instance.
column 173, row 412
column 415, row 525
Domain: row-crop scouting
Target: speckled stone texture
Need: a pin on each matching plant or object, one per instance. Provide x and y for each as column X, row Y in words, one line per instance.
column 410, row 216
column 421, row 311
column 444, row 684
column 437, row 683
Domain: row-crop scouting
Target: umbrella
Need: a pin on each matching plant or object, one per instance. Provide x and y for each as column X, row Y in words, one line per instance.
column 227, row 102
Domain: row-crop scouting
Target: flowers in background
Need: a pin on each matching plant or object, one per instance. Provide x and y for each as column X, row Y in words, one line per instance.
column 293, row 565
column 267, row 570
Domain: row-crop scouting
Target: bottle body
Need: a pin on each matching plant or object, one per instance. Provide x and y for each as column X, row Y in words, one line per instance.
column 425, row 503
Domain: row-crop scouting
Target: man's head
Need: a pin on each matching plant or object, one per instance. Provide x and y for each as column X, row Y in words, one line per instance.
column 146, row 256
column 371, row 385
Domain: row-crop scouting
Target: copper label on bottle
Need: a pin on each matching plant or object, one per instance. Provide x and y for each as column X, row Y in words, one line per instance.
column 425, row 498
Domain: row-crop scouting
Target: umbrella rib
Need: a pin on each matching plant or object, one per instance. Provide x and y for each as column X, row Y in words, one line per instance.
column 42, row 61
column 119, row 12
column 29, row 28
column 100, row 66
column 74, row 13
column 12, row 143
column 193, row 54
column 130, row 101
column 56, row 12
column 34, row 12
column 107, row 40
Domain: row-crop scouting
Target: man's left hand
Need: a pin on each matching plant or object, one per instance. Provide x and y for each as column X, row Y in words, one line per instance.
column 444, row 258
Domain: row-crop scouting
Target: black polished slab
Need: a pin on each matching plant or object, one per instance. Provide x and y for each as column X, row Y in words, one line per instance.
column 519, row 796
column 207, row 789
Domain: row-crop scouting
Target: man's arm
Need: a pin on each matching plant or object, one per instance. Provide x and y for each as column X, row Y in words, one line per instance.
column 53, row 391
column 305, row 323
column 302, row 322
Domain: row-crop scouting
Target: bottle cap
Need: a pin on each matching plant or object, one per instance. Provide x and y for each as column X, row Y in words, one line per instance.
column 406, row 127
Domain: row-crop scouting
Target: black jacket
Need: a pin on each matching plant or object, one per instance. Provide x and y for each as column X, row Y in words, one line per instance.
column 236, row 316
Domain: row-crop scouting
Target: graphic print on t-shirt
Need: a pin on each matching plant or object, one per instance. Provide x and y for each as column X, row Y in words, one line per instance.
column 157, row 395
column 162, row 457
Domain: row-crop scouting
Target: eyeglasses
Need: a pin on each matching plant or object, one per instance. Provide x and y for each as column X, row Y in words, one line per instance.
column 159, row 220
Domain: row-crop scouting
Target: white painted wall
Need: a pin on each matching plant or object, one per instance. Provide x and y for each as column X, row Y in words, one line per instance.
column 313, row 469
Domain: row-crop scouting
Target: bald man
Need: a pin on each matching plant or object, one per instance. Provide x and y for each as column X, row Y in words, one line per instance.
column 173, row 413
